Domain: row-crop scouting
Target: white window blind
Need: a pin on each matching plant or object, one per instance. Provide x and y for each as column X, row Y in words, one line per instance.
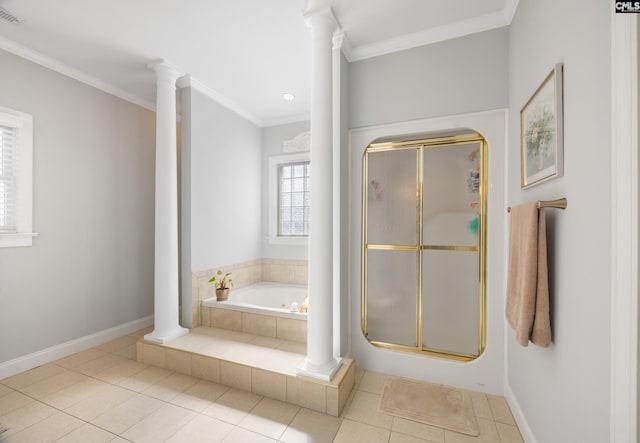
column 8, row 168
column 16, row 173
column 294, row 199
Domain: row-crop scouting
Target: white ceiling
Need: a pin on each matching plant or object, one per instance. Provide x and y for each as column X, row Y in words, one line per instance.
column 246, row 53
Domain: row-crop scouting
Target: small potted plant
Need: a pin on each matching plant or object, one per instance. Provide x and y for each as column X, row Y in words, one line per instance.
column 222, row 282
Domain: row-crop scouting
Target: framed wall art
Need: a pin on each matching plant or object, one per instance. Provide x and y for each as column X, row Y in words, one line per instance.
column 541, row 135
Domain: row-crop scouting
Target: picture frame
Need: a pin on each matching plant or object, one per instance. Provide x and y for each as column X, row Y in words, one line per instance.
column 541, row 132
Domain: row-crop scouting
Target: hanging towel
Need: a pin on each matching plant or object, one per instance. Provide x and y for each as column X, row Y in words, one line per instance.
column 527, row 306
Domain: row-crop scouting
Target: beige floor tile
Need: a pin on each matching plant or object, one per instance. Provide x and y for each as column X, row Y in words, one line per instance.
column 481, row 406
column 12, row 401
column 31, row 376
column 160, row 424
column 71, row 395
column 292, row 346
column 356, row 432
column 53, row 384
column 79, row 358
column 509, row 434
column 269, row 417
column 117, row 344
column 280, row 361
column 267, row 342
column 118, row 372
column 397, row 437
column 142, row 380
column 21, row 418
column 232, row 406
column 311, row 427
column 99, row 364
column 373, row 382
column 123, row 416
column 200, row 395
column 500, row 410
column 488, row 434
column 87, row 433
column 170, row 387
column 119, row 440
column 5, row 390
column 99, row 403
column 364, row 409
column 142, row 332
column 48, row 430
column 245, row 353
column 359, row 374
column 202, row 429
column 418, row 430
column 128, row 352
column 240, row 435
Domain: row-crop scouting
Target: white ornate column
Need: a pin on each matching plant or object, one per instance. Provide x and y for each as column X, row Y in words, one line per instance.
column 320, row 362
column 166, row 293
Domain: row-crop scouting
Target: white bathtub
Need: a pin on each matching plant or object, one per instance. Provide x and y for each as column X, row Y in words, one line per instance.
column 266, row 298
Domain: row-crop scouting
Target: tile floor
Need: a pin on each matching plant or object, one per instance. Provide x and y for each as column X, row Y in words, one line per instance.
column 104, row 395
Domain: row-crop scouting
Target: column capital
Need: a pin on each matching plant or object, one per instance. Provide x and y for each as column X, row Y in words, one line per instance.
column 338, row 39
column 161, row 65
column 321, row 17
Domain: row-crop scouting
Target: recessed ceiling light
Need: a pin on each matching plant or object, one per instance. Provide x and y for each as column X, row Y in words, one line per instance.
column 288, row 96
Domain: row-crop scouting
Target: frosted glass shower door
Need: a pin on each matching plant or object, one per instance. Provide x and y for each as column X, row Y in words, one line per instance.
column 423, row 233
column 392, row 251
column 450, row 249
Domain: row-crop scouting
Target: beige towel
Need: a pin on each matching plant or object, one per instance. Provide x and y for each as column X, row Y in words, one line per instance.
column 527, row 307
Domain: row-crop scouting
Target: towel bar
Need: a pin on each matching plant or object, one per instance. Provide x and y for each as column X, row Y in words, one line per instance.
column 560, row 203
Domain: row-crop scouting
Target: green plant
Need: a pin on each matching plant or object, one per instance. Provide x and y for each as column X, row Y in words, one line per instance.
column 221, row 280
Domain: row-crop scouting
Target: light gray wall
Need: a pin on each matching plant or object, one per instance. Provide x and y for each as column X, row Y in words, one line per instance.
column 272, row 140
column 463, row 75
column 91, row 267
column 563, row 390
column 224, row 176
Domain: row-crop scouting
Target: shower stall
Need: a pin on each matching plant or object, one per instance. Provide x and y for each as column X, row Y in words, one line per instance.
column 424, row 230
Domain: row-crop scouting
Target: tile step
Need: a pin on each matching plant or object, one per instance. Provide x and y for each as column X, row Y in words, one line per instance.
column 253, row 363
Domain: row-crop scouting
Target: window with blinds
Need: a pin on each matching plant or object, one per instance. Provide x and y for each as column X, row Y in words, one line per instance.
column 294, row 199
column 16, row 173
column 8, row 147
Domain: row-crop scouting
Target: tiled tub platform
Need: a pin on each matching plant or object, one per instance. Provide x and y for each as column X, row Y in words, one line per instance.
column 253, row 363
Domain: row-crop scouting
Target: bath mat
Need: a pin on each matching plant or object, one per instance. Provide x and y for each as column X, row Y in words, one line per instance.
column 429, row 404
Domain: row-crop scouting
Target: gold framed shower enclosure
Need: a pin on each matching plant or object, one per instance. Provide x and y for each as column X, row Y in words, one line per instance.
column 403, row 251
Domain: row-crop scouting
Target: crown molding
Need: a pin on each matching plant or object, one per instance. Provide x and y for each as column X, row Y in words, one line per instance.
column 76, row 74
column 429, row 36
column 189, row 82
column 286, row 120
column 509, row 10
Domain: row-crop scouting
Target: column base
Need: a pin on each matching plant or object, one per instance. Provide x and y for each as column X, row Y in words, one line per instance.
column 164, row 337
column 325, row 373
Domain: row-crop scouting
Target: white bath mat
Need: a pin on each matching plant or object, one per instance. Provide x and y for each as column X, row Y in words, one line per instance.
column 429, row 404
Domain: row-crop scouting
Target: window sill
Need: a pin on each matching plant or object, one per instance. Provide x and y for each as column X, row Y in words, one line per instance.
column 291, row 241
column 16, row 240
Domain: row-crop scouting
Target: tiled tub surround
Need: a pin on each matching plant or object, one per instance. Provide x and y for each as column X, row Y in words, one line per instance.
column 245, row 274
column 252, row 363
column 257, row 309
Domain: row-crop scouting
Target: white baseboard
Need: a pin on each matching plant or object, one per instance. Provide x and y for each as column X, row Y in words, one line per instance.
column 29, row 361
column 523, row 424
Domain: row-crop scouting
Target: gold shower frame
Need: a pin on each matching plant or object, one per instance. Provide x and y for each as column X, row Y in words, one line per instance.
column 420, row 146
